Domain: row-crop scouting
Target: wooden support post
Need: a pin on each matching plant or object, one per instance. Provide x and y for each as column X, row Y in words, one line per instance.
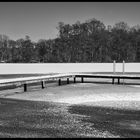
column 25, row 87
column 67, row 80
column 113, row 81
column 59, row 82
column 82, row 79
column 74, row 79
column 43, row 84
column 118, row 80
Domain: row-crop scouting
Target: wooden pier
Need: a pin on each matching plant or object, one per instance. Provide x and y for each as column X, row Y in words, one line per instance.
column 110, row 76
column 58, row 77
column 26, row 80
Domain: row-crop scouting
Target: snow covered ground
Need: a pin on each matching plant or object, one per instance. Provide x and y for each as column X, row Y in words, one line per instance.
column 16, row 68
column 119, row 96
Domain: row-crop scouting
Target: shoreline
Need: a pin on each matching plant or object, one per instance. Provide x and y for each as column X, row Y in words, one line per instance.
column 92, row 94
column 53, row 112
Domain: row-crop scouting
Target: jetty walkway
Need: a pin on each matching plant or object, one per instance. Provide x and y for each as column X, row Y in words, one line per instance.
column 58, row 77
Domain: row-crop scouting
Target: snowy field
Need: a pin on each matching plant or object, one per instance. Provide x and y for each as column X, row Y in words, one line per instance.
column 118, row 96
column 13, row 68
column 106, row 110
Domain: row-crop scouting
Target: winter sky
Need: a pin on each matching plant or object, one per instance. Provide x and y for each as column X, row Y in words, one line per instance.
column 40, row 19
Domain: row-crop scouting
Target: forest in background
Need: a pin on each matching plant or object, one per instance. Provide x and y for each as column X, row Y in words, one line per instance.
column 90, row 41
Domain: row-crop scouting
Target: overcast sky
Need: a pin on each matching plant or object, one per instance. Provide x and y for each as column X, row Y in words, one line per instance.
column 40, row 19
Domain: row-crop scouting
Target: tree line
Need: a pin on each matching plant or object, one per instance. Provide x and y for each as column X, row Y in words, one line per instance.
column 90, row 41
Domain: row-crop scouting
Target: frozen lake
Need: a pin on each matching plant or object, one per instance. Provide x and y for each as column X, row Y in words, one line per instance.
column 18, row 68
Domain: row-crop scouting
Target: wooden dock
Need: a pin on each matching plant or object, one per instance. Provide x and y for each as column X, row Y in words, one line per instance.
column 58, row 77
column 26, row 80
column 110, row 76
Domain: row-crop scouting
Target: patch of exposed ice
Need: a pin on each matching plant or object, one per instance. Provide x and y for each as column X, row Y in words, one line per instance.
column 84, row 85
column 135, row 86
column 96, row 98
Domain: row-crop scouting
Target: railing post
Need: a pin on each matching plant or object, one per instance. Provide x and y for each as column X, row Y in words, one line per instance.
column 25, row 87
